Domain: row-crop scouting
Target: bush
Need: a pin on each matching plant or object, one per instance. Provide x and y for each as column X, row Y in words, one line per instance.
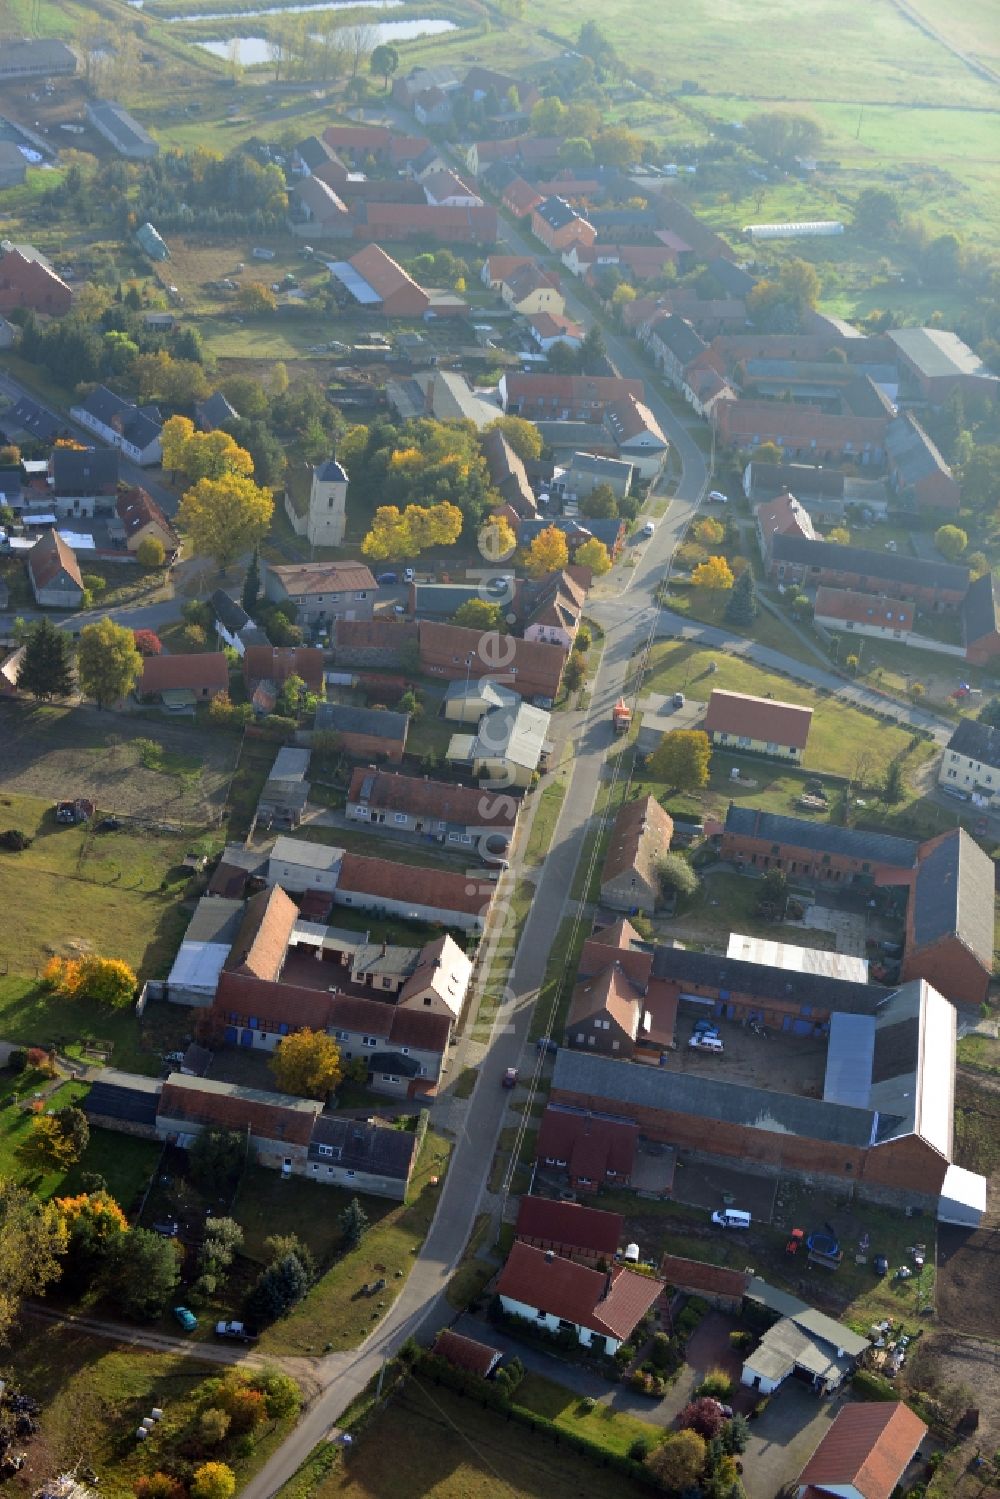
column 213, row 1427
column 195, row 637
column 702, row 1416
column 869, row 1386
column 94, row 583
column 716, row 1382
column 639, row 1450
column 150, row 552
column 14, row 841
column 17, row 1060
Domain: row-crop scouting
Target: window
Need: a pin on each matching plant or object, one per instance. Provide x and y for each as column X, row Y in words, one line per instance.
column 399, row 817
column 579, row 1038
column 352, row 1173
column 590, row 1040
column 387, row 983
column 615, row 1045
column 405, row 1050
column 387, row 1077
column 325, row 1149
column 369, row 1041
column 343, row 1035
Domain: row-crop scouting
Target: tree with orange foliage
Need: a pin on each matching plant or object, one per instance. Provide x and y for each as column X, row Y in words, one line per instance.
column 548, row 553
column 713, row 573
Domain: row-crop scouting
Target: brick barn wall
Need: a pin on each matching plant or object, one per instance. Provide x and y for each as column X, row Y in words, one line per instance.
column 951, row 969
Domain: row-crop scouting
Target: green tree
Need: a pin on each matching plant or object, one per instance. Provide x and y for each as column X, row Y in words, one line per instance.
column 33, row 1239
column 877, row 213
column 142, row 1273
column 681, row 759
column 278, row 1288
column 47, row 663
column 773, row 895
column 213, row 1426
column 742, row 607
column 282, row 1395
column 108, row 663
column 295, row 700
column 990, row 713
column 150, row 553
column 980, row 476
column 353, row 1224
column 600, row 503
column 251, row 583
column 595, row 555
column 478, row 614
column 893, row 786
column 593, row 351
column 384, row 60
column 951, row 542
column 574, row 672
column 778, row 135
column 676, row 876
column 216, row 1158
column 58, row 1140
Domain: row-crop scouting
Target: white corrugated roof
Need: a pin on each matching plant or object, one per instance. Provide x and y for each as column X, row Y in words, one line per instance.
column 763, row 950
column 198, row 965
column 355, row 283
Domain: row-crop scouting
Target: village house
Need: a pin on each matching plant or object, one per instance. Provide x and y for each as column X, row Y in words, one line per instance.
column 508, row 748
column 142, row 520
column 949, row 918
column 638, row 436
column 425, row 221
column 285, row 795
column 318, row 210
column 579, row 398
column 529, row 289
column 822, row 492
column 938, row 363
column 365, row 733
column 530, row 667
column 918, row 473
column 870, row 614
column 591, row 1149
column 719, row 1286
column 971, row 762
column 550, row 609
column 936, row 585
column 639, row 839
column 527, row 153
column 322, row 591
column 273, row 665
column 260, row 945
column 54, row 573
column 569, row 1229
column 133, row 429
column 445, row 189
column 550, row 328
column 455, row 815
column 379, row 284
column 213, row 412
column 558, row 225
column 981, row 620
column 760, row 725
column 804, row 1343
column 520, row 197
column 466, row 702
column 619, row 1007
column 233, row 624
column 180, row 681
column 673, row 343
column 602, row 1308
column 277, row 1128
column 38, row 57
column 204, row 951
column 508, row 474
column 28, row 280
column 864, row 1454
column 805, row 431
column 589, row 470
column 782, row 516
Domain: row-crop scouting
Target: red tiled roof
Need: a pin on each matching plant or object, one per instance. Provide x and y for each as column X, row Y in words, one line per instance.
column 466, row 1353
column 761, row 718
column 199, row 670
column 381, row 634
column 433, row 216
column 591, row 1143
column 785, row 515
column 697, row 1275
column 640, row 837
column 612, row 944
column 554, row 325
column 520, row 197
column 273, row 1004
column 420, row 797
column 51, row 556
column 265, row 931
column 612, row 1302
column 868, row 1447
column 384, row 275
column 357, row 137
column 406, row 882
column 864, row 608
column 572, row 388
column 137, row 509
column 28, row 283
column 538, row 666
column 630, row 417
column 611, row 993
column 570, row 1224
column 272, row 663
column 269, row 1116
column 398, row 1026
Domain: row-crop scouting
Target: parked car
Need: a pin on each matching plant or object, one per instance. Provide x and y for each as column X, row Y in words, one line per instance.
column 387, row 578
column 880, row 1265
column 234, row 1330
column 702, row 1042
column 718, row 497
column 186, row 1318
column 677, row 700
column 956, row 792
column 509, row 1079
column 546, row 1044
column 648, row 529
column 705, row 1028
column 408, row 575
column 167, row 1228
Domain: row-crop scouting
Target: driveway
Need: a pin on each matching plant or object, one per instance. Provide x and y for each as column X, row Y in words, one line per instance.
column 784, row 1438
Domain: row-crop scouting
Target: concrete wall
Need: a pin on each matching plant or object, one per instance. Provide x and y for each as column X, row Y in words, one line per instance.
column 409, row 910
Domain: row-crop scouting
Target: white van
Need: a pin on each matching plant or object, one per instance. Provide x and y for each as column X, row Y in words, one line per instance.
column 648, row 528
column 731, row 1218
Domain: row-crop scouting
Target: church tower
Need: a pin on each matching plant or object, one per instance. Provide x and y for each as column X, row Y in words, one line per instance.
column 327, row 518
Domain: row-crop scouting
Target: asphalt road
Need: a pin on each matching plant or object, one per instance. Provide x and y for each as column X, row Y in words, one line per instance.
column 420, row 1306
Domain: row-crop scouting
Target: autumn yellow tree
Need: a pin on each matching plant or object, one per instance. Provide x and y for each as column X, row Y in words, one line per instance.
column 406, row 533
column 255, row 298
column 496, row 539
column 108, row 981
column 715, row 572
column 174, row 438
column 92, row 1220
column 682, row 758
column 32, row 1239
column 523, row 436
column 213, row 1481
column 202, row 455
column 224, row 517
column 307, row 1063
column 548, row 553
column 594, row 554
column 709, row 531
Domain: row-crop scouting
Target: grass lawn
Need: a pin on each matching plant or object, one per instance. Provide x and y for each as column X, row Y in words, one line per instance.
column 839, row 734
column 548, row 805
column 93, row 1396
column 708, row 606
column 472, row 1273
column 611, row 1429
column 518, row 897
column 980, row 1052
column 333, row 1315
column 549, row 1013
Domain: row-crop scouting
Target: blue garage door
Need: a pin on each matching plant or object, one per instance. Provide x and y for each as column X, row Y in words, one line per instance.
column 232, row 1035
column 246, row 1038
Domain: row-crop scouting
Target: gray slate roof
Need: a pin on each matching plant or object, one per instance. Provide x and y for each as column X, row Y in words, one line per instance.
column 380, row 723
column 117, row 121
column 810, row 990
column 821, row 837
column 980, row 609
column 954, row 895
column 628, row 1084
column 731, row 278
column 138, row 426
column 979, row 741
column 331, row 472
column 911, row 452
column 215, row 411
column 680, row 338
column 91, row 472
column 890, row 566
column 556, row 212
column 228, row 612
column 364, row 1147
